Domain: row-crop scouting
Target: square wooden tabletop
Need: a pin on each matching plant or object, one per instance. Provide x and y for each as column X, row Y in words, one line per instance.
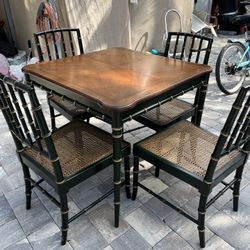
column 118, row 78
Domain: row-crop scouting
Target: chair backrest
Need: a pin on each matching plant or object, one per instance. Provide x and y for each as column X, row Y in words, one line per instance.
column 189, row 47
column 235, row 134
column 57, row 43
column 23, row 114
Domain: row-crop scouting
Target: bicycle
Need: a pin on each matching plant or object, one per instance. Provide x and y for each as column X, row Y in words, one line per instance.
column 232, row 65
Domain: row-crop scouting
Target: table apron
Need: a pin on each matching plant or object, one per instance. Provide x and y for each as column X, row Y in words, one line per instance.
column 77, row 99
column 106, row 115
column 165, row 97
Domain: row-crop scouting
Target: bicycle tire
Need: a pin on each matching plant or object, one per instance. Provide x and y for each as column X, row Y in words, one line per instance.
column 228, row 80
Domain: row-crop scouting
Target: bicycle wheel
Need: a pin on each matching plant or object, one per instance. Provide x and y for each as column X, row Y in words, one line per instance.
column 230, row 79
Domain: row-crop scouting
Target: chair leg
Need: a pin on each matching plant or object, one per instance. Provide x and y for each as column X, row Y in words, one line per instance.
column 201, row 219
column 28, row 192
column 52, row 118
column 65, row 217
column 135, row 177
column 157, row 171
column 236, row 191
column 127, row 176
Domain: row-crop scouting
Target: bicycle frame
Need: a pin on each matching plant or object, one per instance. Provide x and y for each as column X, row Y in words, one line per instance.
column 245, row 64
column 233, row 65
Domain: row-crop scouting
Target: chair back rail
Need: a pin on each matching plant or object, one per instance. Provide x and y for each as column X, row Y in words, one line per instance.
column 64, row 37
column 13, row 92
column 239, row 133
column 235, row 134
column 17, row 127
column 188, row 47
column 19, row 112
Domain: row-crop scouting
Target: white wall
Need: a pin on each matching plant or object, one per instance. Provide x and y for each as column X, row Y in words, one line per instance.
column 147, row 21
column 24, row 18
column 103, row 23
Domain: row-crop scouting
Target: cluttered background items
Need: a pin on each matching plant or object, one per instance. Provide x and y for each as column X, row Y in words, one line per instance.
column 12, row 60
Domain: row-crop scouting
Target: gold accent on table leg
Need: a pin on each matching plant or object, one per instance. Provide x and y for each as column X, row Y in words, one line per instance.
column 117, row 161
column 117, row 136
column 65, row 212
column 60, row 182
column 208, row 182
column 201, row 231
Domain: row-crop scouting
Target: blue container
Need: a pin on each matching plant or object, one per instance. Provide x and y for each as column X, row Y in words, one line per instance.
column 154, row 52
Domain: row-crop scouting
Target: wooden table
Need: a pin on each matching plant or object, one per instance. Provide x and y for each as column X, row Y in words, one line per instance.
column 118, row 84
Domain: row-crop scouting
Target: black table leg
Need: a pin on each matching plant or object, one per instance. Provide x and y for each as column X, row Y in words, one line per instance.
column 117, row 159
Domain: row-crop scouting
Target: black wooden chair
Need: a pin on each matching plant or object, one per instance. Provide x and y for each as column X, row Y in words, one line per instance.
column 63, row 158
column 187, row 47
column 53, row 45
column 200, row 158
